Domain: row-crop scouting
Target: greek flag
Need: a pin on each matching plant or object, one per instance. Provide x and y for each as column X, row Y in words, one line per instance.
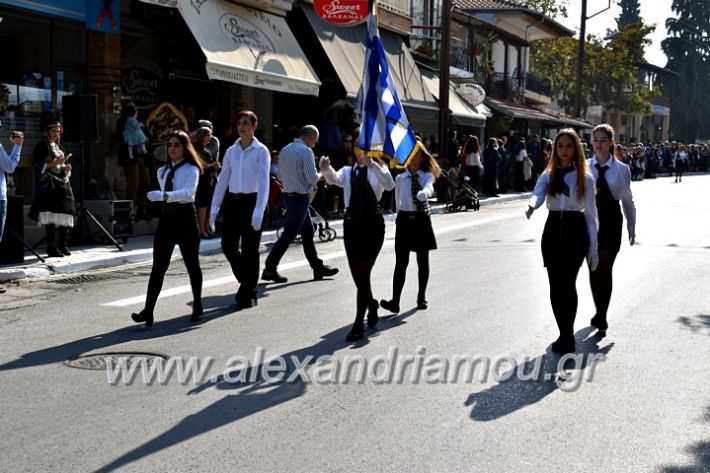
column 384, row 130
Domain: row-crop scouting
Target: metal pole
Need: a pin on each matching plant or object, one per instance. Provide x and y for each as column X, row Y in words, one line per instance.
column 580, row 61
column 444, row 61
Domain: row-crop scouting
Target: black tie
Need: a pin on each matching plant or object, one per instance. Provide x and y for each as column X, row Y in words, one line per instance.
column 416, row 187
column 170, row 169
column 558, row 185
column 603, row 191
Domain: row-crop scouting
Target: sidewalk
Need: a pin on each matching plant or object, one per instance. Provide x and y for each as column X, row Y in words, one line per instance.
column 140, row 249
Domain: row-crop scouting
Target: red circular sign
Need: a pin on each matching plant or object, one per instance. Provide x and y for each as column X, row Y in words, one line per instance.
column 342, row 12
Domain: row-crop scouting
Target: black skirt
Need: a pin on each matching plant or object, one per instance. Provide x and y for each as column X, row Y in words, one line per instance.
column 414, row 232
column 178, row 224
column 565, row 240
column 363, row 238
column 610, row 224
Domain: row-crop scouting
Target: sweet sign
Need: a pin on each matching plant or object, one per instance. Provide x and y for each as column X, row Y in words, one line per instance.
column 342, row 12
column 472, row 93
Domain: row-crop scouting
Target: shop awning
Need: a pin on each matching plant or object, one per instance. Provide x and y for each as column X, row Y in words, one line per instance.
column 249, row 47
column 461, row 112
column 345, row 47
column 525, row 112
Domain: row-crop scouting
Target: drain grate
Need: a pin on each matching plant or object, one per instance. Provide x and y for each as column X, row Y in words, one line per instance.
column 99, row 361
column 80, row 279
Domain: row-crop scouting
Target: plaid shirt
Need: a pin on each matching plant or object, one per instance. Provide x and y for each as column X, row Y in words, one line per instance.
column 297, row 168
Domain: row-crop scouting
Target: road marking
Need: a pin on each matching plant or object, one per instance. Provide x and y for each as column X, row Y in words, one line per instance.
column 288, row 266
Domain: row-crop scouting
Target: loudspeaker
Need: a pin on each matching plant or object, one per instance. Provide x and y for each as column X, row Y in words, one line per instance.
column 80, row 118
column 12, row 249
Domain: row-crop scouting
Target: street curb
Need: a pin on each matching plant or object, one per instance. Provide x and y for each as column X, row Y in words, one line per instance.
column 110, row 258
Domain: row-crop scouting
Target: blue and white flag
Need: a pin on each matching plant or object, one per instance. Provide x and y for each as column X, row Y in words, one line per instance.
column 384, row 130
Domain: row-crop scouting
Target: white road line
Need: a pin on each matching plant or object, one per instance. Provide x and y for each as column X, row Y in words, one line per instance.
column 288, row 266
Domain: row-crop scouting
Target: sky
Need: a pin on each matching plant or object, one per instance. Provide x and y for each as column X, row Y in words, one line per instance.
column 652, row 11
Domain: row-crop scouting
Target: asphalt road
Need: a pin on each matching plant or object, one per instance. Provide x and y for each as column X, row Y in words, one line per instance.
column 634, row 401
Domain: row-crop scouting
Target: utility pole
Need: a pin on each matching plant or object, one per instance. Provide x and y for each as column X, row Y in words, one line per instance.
column 580, row 56
column 444, row 61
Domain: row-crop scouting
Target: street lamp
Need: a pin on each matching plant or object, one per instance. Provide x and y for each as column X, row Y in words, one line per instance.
column 580, row 58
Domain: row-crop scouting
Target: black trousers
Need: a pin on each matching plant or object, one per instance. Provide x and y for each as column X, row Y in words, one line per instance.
column 363, row 239
column 240, row 242
column 177, row 226
column 565, row 243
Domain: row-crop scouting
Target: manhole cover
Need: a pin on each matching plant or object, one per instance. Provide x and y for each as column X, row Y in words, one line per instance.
column 80, row 279
column 99, row 361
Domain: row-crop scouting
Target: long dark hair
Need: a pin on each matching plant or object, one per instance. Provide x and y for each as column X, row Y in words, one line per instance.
column 472, row 145
column 190, row 154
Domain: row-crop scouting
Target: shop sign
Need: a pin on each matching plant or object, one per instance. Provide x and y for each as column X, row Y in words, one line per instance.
column 472, row 93
column 160, row 123
column 342, row 12
column 73, row 9
column 104, row 15
column 140, row 81
column 162, row 3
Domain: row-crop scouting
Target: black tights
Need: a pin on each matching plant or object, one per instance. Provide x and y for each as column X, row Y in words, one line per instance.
column 601, row 281
column 361, row 276
column 563, row 296
column 163, row 247
column 400, row 273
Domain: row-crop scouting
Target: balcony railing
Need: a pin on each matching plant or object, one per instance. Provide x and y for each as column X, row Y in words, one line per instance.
column 401, row 7
column 537, row 85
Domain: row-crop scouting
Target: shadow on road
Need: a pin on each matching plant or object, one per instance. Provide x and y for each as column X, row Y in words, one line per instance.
column 696, row 323
column 700, row 452
column 519, row 391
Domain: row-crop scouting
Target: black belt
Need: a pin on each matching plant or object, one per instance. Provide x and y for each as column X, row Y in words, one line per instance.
column 242, row 195
column 294, row 194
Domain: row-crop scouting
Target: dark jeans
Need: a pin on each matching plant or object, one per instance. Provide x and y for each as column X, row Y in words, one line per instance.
column 298, row 220
column 237, row 232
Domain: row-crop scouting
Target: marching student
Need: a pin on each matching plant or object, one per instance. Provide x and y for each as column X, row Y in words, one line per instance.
column 363, row 228
column 613, row 179
column 177, row 225
column 414, row 231
column 570, row 232
column 243, row 188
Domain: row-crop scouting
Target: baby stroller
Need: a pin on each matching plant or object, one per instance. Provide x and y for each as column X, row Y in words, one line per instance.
column 461, row 196
column 320, row 227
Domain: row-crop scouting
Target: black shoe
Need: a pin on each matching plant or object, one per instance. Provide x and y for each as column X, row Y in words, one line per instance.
column 196, row 312
column 274, row 276
column 599, row 323
column 64, row 250
column 372, row 317
column 356, row 333
column 422, row 305
column 244, row 303
column 53, row 252
column 319, row 274
column 143, row 317
column 390, row 305
column 564, row 345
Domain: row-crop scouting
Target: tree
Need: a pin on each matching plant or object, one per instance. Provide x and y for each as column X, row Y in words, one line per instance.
column 630, row 13
column 552, row 8
column 609, row 77
column 688, row 49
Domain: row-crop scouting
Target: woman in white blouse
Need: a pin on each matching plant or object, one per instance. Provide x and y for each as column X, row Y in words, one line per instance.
column 570, row 232
column 613, row 182
column 178, row 224
column 414, row 231
column 363, row 228
column 473, row 167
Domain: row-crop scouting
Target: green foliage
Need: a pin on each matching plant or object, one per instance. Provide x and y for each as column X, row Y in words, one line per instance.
column 630, row 13
column 554, row 9
column 609, row 77
column 688, row 49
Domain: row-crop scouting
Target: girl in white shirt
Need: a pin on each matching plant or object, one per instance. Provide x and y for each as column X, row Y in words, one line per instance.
column 570, row 232
column 363, row 228
column 613, row 183
column 473, row 167
column 414, row 231
column 178, row 224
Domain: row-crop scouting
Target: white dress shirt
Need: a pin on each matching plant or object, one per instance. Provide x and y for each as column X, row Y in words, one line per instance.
column 619, row 179
column 378, row 176
column 244, row 171
column 8, row 163
column 184, row 182
column 403, row 189
column 562, row 202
